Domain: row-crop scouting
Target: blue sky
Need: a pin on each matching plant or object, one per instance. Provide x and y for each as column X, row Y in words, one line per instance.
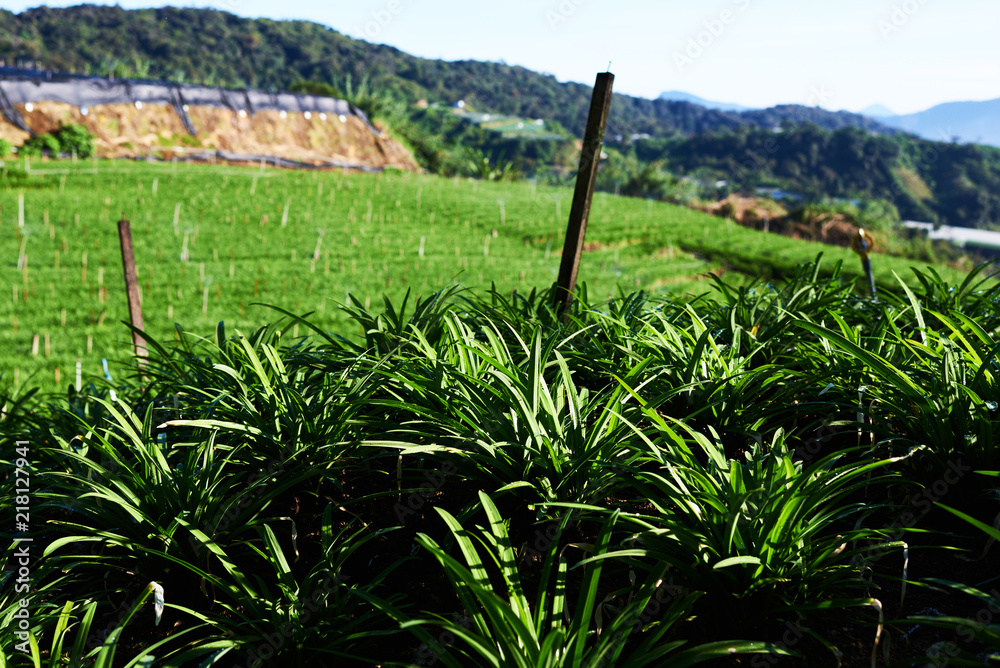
column 845, row 54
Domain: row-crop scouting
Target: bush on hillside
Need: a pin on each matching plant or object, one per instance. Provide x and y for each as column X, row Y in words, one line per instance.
column 75, row 138
column 5, row 148
column 34, row 147
column 320, row 88
column 71, row 138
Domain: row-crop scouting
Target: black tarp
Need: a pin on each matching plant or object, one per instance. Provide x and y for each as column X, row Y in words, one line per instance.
column 10, row 113
column 21, row 86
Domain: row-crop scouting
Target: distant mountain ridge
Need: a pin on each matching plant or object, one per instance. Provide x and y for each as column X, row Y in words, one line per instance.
column 681, row 96
column 877, row 111
column 970, row 122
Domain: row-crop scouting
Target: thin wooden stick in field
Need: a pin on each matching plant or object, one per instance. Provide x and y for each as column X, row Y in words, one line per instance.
column 132, row 286
column 319, row 242
column 21, row 253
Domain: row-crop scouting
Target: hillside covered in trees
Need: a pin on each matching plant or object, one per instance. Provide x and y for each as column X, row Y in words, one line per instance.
column 810, row 151
column 217, row 48
column 924, row 180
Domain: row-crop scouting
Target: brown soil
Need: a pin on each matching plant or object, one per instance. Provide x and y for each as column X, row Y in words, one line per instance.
column 745, row 210
column 12, row 134
column 764, row 214
column 122, row 131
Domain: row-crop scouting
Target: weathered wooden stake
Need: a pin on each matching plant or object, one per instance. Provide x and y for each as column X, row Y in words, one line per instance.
column 132, row 286
column 586, row 178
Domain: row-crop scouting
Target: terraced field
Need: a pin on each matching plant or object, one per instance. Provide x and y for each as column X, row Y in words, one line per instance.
column 213, row 241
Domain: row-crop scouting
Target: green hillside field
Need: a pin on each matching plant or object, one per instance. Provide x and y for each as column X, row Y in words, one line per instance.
column 251, row 236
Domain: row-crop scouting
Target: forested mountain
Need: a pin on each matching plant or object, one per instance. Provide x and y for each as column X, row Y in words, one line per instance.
column 930, row 181
column 805, row 149
column 214, row 47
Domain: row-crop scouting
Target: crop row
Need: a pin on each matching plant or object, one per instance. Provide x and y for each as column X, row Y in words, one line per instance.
column 479, row 481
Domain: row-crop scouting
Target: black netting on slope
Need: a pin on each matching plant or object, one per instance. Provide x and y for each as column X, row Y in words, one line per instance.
column 22, row 86
column 10, row 113
column 181, row 109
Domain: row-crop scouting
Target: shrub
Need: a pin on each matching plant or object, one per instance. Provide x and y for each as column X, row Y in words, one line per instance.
column 5, row 148
column 72, row 138
column 315, row 88
column 75, row 138
column 35, row 146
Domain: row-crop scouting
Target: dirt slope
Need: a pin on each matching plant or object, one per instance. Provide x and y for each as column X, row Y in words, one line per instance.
column 123, row 130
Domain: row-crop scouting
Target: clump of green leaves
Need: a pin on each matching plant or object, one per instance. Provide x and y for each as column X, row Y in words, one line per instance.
column 73, row 139
column 39, row 145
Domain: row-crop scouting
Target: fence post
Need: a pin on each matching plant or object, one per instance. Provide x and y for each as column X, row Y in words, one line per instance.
column 132, row 286
column 586, row 178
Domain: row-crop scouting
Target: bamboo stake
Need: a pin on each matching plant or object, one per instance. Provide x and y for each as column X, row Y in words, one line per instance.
column 22, row 257
column 319, row 242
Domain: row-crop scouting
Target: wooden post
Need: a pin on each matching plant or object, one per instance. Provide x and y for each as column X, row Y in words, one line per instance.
column 586, row 178
column 131, row 286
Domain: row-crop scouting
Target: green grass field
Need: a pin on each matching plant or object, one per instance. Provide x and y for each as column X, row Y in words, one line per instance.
column 251, row 235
